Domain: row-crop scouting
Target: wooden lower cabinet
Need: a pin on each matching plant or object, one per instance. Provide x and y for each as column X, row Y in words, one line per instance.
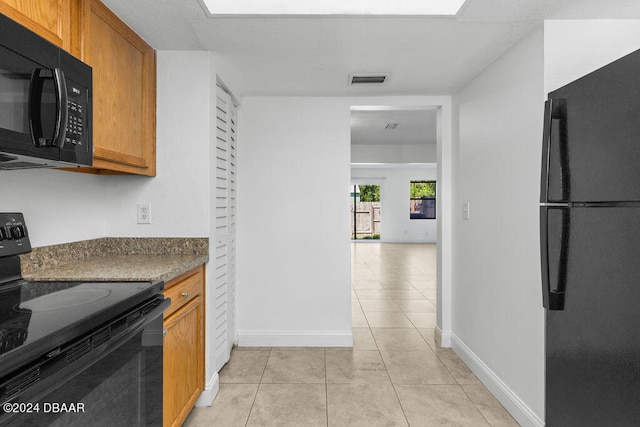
column 183, row 346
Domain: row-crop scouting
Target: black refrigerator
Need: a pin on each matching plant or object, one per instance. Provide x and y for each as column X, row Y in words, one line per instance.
column 590, row 247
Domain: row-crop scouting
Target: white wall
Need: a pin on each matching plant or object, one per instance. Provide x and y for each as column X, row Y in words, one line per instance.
column 293, row 278
column 497, row 324
column 396, row 226
column 574, row 48
column 293, row 230
column 58, row 206
column 393, row 153
column 179, row 194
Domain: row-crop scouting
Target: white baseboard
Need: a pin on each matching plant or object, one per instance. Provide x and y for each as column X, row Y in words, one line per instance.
column 210, row 392
column 294, row 339
column 442, row 338
column 507, row 397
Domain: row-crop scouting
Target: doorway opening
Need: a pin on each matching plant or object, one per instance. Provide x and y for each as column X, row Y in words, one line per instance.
column 407, row 150
column 365, row 212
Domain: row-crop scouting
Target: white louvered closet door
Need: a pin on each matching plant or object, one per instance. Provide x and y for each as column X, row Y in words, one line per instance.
column 225, row 232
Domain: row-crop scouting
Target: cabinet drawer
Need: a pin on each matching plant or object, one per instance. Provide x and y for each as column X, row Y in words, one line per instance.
column 183, row 289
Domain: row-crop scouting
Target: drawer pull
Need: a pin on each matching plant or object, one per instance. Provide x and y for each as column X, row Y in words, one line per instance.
column 185, row 294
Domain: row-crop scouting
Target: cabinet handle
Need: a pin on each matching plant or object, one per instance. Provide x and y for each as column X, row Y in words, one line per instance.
column 164, row 332
column 185, row 294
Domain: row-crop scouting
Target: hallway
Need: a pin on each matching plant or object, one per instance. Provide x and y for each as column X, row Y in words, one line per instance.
column 395, row 375
column 394, row 312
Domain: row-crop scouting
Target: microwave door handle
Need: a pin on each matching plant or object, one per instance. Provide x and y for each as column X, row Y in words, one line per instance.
column 35, row 111
column 62, row 110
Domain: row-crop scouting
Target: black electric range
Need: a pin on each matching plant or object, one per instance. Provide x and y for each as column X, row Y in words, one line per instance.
column 50, row 331
column 36, row 317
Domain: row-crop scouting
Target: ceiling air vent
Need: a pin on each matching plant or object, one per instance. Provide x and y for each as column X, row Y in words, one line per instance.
column 368, row 79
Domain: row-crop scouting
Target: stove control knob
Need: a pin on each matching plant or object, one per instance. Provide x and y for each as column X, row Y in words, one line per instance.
column 3, row 234
column 17, row 232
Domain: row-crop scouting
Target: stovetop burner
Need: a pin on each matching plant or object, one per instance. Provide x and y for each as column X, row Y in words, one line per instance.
column 72, row 298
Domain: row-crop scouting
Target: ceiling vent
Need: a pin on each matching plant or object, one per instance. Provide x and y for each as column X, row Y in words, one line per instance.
column 391, row 126
column 368, row 79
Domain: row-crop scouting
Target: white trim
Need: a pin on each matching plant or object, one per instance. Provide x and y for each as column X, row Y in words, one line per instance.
column 443, row 337
column 295, row 339
column 509, row 399
column 394, row 107
column 356, row 180
column 210, row 392
column 433, row 8
column 221, row 84
column 393, row 165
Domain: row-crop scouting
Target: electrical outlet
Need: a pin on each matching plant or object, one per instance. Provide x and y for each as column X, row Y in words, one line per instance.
column 144, row 213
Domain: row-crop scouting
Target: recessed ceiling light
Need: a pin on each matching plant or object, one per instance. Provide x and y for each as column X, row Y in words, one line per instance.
column 333, row 7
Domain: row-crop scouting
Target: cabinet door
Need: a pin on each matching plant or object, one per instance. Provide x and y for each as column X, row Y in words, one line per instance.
column 124, row 92
column 183, row 362
column 50, row 19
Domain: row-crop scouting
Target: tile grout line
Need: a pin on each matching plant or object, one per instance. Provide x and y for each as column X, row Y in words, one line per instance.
column 474, row 403
column 389, row 375
column 326, row 386
column 393, row 385
column 258, row 389
column 391, row 380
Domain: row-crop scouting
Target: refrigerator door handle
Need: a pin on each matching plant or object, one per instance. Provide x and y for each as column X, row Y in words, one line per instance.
column 553, row 298
column 546, row 156
column 554, row 140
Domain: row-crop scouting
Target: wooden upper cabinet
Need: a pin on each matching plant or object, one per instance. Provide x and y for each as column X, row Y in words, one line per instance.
column 124, row 91
column 124, row 77
column 50, row 19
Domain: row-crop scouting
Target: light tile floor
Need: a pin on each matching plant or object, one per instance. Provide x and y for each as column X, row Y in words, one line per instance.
column 395, row 375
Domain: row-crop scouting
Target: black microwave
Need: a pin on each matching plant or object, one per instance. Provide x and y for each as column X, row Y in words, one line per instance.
column 45, row 102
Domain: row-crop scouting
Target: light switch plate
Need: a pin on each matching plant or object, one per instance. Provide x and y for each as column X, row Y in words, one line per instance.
column 466, row 210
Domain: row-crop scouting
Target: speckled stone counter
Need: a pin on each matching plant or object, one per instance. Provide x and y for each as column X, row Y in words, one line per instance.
column 115, row 259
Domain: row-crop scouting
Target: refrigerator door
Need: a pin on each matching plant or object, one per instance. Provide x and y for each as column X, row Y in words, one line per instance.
column 592, row 136
column 593, row 342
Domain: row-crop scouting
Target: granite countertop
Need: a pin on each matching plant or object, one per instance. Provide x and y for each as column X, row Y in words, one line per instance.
column 115, row 259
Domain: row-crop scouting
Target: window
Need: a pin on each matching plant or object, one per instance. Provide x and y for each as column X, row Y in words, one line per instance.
column 423, row 200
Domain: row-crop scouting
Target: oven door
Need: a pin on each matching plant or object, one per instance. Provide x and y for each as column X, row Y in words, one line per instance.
column 110, row 377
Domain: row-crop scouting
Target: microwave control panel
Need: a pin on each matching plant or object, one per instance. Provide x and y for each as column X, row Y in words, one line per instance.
column 77, row 116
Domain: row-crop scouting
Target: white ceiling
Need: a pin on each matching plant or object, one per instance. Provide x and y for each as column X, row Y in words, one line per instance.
column 368, row 126
column 314, row 55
